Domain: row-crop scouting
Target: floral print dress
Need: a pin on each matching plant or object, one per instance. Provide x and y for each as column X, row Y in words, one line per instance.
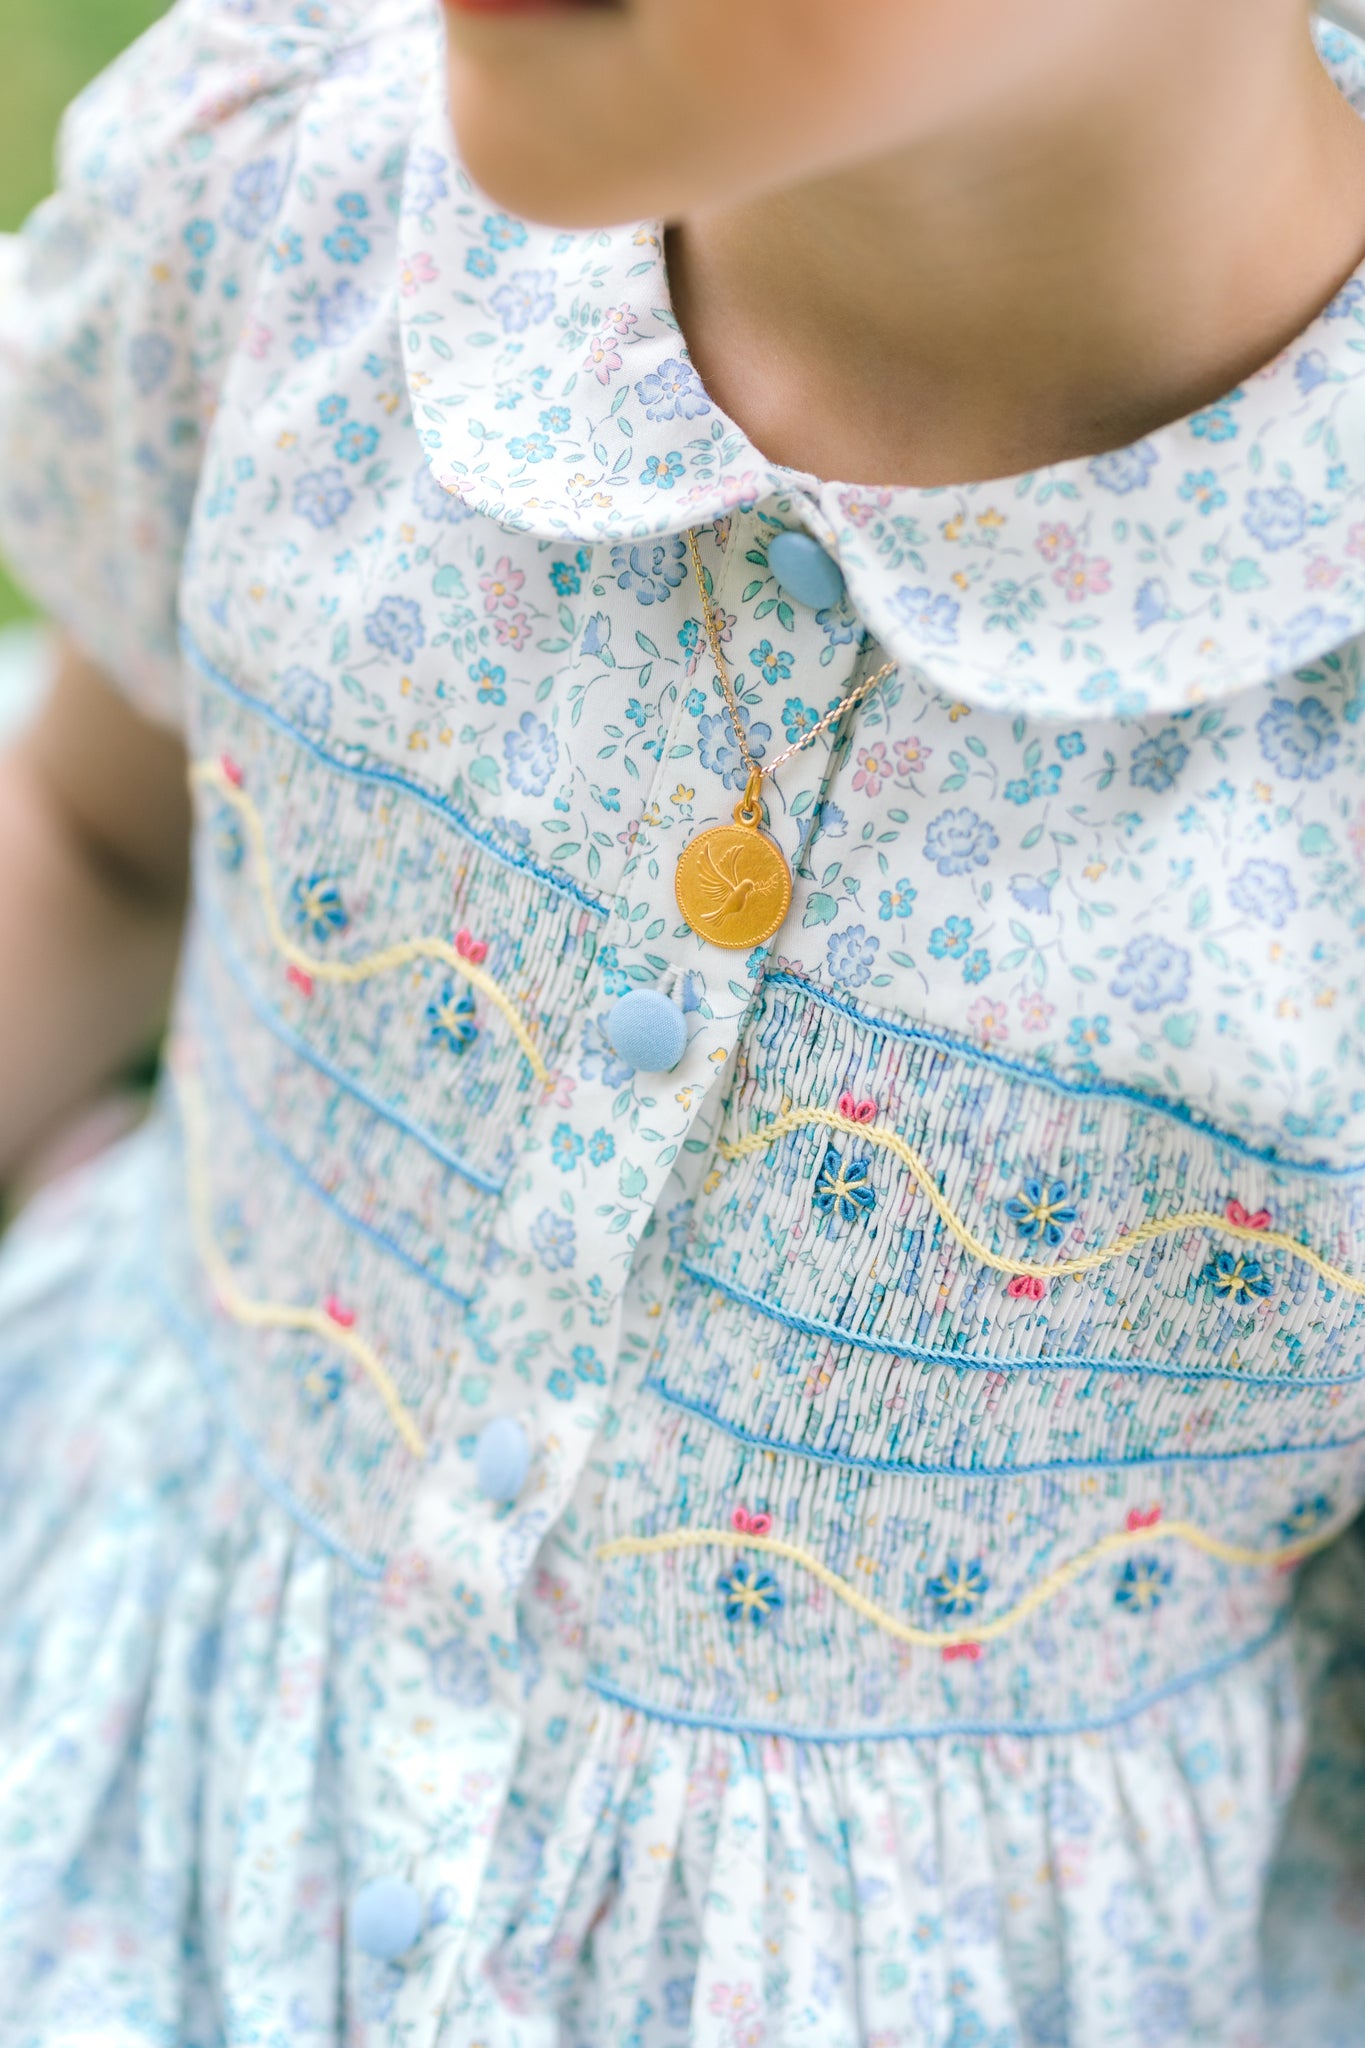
column 848, row 1539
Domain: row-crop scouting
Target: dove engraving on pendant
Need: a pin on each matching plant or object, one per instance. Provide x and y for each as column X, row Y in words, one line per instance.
column 733, row 886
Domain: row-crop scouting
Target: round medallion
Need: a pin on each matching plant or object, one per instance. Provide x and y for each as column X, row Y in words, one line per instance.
column 733, row 886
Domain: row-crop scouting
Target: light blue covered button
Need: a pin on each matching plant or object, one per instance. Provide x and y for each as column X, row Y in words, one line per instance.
column 386, row 1917
column 648, row 1031
column 502, row 1458
column 805, row 570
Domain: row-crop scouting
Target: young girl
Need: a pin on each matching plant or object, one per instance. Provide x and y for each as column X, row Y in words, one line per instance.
column 723, row 1400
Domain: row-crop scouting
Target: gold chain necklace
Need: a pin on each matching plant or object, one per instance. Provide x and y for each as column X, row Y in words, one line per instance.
column 733, row 884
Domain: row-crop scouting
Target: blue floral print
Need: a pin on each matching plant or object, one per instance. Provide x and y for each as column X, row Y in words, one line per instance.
column 318, row 907
column 451, row 1017
column 525, row 299
column 1152, row 972
column 1157, row 762
column 322, row 497
column 1299, row 738
column 256, row 193
column 1127, row 470
column 1263, row 889
column 749, row 1594
column 673, row 392
column 395, row 626
column 532, row 752
column 653, row 569
column 957, row 841
column 1277, row 517
column 306, row 700
column 851, row 956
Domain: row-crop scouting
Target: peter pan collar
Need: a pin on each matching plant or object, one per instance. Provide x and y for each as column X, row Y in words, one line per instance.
column 553, row 393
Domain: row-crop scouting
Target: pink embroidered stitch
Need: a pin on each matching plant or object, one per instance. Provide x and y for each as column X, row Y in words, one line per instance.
column 1142, row 1518
column 956, row 1652
column 301, row 980
column 469, row 948
column 1027, row 1287
column 1245, row 1220
column 344, row 1318
column 231, row 770
column 746, row 1524
column 864, row 1112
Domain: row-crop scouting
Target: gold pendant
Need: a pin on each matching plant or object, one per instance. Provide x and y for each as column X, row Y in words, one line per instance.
column 733, row 884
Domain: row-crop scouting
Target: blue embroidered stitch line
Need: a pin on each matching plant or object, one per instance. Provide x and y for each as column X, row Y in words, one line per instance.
column 984, row 1730
column 390, row 778
column 847, row 1463
column 294, row 1165
column 213, row 922
column 1040, row 1077
column 199, row 1350
column 1061, row 1361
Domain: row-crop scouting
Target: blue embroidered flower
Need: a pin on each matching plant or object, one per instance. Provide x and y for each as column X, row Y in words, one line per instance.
column 1235, row 1278
column 897, row 901
column 1141, row 1584
column 653, row 569
column 318, row 907
column 851, row 955
column 566, row 1147
column 451, row 1018
column 1042, row 1211
column 749, row 1593
column 322, row 497
column 673, row 392
column 1125, row 471
column 532, row 753
column 1277, row 517
column 951, row 939
column 931, row 619
column 841, row 1190
column 305, row 699
column 774, row 664
column 1263, row 890
column 395, row 626
column 959, row 1589
column 1152, row 972
column 256, row 193
column 322, row 1384
column 527, row 298
column 1306, row 1517
column 958, row 841
column 554, row 1241
column 1158, row 761
column 1299, row 737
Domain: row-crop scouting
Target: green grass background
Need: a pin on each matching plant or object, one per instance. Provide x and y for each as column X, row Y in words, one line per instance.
column 48, row 49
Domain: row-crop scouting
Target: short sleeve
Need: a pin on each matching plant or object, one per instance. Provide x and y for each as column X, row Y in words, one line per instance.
column 121, row 305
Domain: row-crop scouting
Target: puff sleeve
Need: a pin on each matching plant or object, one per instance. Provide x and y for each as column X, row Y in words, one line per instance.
column 121, row 305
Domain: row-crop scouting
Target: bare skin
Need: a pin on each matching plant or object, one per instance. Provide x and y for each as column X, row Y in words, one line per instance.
column 94, row 836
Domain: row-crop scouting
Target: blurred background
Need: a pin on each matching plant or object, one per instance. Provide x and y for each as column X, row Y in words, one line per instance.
column 51, row 47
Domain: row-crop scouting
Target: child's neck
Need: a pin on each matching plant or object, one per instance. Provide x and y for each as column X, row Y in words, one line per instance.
column 1060, row 284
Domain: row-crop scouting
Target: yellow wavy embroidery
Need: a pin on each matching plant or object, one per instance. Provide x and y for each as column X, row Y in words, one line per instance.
column 210, row 775
column 986, row 1631
column 1064, row 1269
column 273, row 1315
